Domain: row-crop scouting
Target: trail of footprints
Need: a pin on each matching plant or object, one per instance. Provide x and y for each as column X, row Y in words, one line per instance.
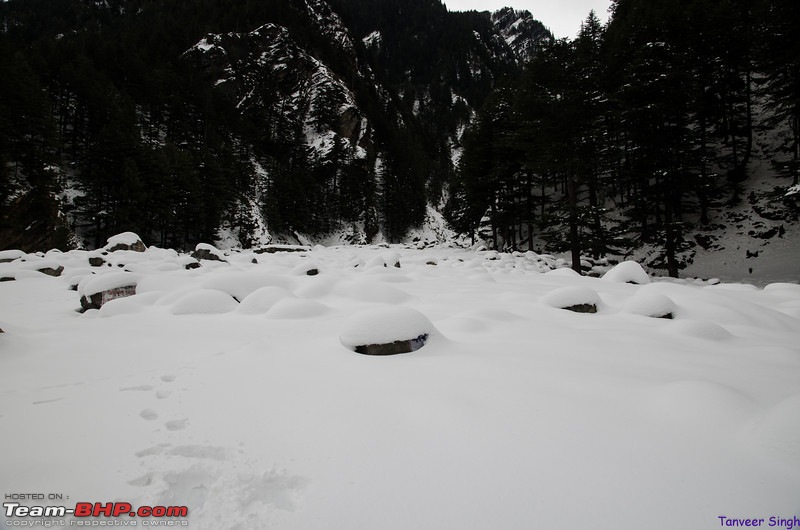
column 149, row 414
column 178, row 472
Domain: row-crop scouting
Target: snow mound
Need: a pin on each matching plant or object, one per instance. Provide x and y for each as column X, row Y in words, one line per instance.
column 386, row 259
column 297, row 308
column 778, row 430
column 316, row 286
column 204, row 302
column 129, row 305
column 563, row 271
column 571, row 296
column 11, row 255
column 650, row 304
column 700, row 403
column 261, row 300
column 700, row 329
column 384, row 325
column 372, row 291
column 627, row 272
column 307, row 268
column 104, row 282
column 239, row 284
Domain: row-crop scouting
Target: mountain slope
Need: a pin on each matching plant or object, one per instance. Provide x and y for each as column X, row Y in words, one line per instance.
column 274, row 119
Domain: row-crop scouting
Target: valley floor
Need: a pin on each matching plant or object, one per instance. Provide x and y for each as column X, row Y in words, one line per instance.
column 227, row 389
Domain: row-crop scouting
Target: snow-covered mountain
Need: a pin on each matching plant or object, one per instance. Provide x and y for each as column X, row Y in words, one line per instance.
column 283, row 119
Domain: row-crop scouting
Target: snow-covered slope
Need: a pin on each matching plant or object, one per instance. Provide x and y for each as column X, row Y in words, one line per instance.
column 227, row 389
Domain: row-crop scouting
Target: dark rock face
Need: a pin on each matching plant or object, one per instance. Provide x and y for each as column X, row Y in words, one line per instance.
column 96, row 261
column 138, row 246
column 274, row 249
column 393, row 348
column 312, row 272
column 50, row 271
column 582, row 308
column 205, row 254
column 97, row 300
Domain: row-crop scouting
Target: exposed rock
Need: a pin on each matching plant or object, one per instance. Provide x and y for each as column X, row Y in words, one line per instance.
column 307, row 268
column 96, row 261
column 273, row 249
column 387, row 331
column 125, row 241
column 582, row 308
column 97, row 290
column 7, row 279
column 51, row 271
column 204, row 251
column 96, row 300
column 393, row 348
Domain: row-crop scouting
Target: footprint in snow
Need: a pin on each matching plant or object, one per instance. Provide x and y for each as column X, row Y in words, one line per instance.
column 152, row 451
column 149, row 414
column 168, row 378
column 176, row 425
column 42, row 402
column 163, row 394
column 140, row 388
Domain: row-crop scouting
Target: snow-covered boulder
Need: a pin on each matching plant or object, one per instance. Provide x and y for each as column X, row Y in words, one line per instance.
column 573, row 298
column 239, row 284
column 125, row 241
column 307, row 268
column 386, row 259
column 10, row 255
column 96, row 290
column 204, row 251
column 261, row 300
column 627, row 272
column 650, row 304
column 386, row 331
column 296, row 308
column 204, row 302
column 561, row 270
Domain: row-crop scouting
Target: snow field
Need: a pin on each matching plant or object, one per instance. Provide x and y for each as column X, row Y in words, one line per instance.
column 228, row 388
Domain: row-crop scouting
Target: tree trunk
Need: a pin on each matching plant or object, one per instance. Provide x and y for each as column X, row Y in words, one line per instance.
column 574, row 243
column 672, row 263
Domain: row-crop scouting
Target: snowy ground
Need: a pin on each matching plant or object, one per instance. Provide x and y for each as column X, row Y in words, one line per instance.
column 515, row 415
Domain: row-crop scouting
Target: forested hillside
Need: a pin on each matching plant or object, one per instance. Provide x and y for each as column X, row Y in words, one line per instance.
column 646, row 132
column 193, row 121
column 656, row 135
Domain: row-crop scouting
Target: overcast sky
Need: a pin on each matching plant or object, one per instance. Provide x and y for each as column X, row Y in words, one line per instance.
column 563, row 17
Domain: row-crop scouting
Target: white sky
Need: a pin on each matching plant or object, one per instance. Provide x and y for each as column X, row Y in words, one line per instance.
column 563, row 17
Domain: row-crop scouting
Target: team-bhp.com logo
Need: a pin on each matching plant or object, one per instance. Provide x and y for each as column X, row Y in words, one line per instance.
column 86, row 512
